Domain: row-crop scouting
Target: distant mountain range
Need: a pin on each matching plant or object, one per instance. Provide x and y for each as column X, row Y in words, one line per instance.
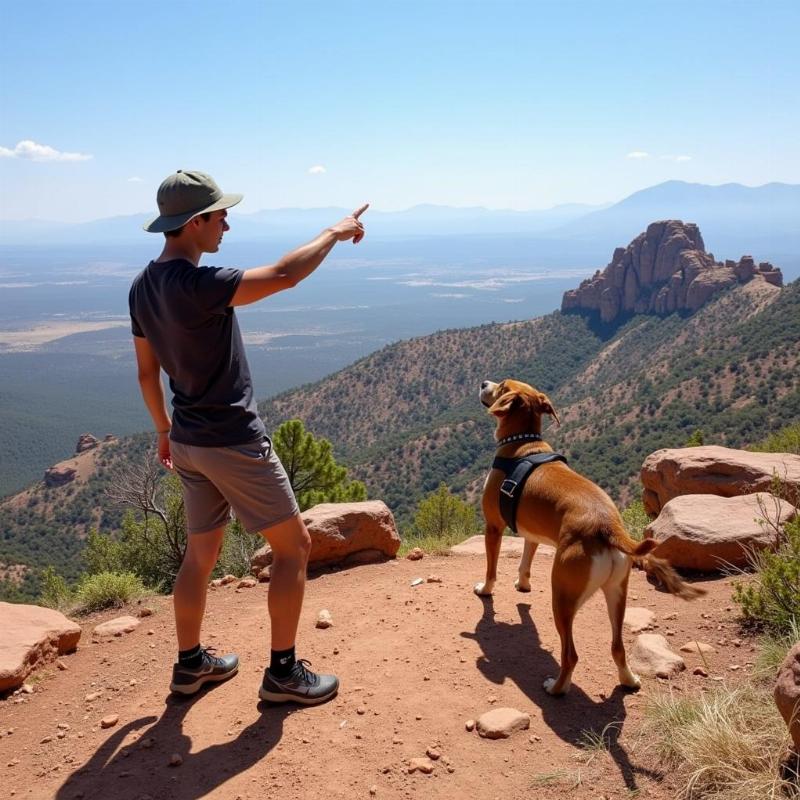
column 763, row 221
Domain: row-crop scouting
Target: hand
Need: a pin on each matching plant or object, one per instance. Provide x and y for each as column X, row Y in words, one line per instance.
column 350, row 227
column 164, row 456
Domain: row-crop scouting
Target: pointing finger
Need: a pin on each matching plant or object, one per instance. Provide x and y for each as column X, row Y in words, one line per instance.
column 361, row 210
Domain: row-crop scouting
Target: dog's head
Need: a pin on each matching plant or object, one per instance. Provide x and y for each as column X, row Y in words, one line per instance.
column 516, row 405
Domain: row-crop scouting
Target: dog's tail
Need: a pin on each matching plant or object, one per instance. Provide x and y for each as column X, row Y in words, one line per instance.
column 659, row 568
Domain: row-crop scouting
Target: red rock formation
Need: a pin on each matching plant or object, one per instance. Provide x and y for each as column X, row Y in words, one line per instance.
column 664, row 269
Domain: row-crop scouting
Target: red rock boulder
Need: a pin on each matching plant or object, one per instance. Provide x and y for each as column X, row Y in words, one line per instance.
column 31, row 636
column 345, row 533
column 722, row 471
column 710, row 534
column 787, row 693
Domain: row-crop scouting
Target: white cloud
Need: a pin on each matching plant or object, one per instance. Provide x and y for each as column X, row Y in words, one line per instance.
column 135, row 179
column 638, row 154
column 32, row 151
column 318, row 169
column 676, row 159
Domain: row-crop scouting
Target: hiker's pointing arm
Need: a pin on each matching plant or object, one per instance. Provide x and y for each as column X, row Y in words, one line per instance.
column 292, row 268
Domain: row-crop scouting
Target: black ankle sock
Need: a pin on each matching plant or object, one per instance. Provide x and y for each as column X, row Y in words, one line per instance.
column 281, row 662
column 190, row 658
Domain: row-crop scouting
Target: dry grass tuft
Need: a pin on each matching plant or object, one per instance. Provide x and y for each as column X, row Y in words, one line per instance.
column 726, row 745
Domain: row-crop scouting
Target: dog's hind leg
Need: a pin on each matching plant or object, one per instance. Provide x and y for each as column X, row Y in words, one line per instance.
column 564, row 608
column 493, row 538
column 616, row 592
column 523, row 582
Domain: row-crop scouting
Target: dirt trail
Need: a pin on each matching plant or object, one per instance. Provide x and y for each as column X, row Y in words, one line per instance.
column 415, row 664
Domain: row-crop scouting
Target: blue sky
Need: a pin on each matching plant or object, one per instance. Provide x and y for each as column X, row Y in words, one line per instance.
column 502, row 104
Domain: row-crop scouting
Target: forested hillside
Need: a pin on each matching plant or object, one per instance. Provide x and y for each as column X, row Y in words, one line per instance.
column 407, row 417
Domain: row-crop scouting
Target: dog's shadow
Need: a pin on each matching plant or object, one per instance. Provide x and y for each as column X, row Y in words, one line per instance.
column 513, row 651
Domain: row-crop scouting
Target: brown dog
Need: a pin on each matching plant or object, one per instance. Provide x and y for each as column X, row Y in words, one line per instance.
column 562, row 508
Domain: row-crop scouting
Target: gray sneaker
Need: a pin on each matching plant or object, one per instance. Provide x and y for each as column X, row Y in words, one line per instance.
column 300, row 686
column 211, row 670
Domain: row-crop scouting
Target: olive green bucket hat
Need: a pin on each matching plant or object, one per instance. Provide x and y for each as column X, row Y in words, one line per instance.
column 183, row 196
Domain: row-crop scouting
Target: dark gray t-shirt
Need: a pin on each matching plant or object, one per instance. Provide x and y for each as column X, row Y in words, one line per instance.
column 184, row 313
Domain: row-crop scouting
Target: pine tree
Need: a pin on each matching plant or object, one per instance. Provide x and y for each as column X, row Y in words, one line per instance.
column 314, row 474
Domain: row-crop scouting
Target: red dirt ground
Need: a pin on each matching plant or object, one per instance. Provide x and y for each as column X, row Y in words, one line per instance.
column 415, row 663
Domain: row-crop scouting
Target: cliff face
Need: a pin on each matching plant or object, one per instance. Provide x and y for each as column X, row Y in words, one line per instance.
column 662, row 270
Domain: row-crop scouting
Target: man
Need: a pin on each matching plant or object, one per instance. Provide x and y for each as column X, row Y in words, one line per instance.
column 183, row 322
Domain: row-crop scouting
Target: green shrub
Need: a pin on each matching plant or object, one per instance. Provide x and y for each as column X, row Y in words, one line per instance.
column 55, row 592
column 441, row 520
column 786, row 440
column 238, row 547
column 771, row 600
column 636, row 520
column 696, row 439
column 108, row 590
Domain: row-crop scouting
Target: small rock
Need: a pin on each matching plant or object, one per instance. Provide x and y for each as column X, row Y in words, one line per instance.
column 361, row 710
column 117, row 626
column 500, row 723
column 144, row 611
column 373, row 790
column 216, row 583
column 434, row 579
column 423, row 765
column 61, row 665
column 26, row 688
column 416, row 554
column 110, row 721
column 324, row 619
column 247, row 583
column 639, row 619
column 470, row 724
column 417, row 581
column 46, row 740
column 700, row 671
column 224, row 581
column 147, row 743
column 90, row 698
column 62, row 726
column 697, row 647
column 264, row 575
column 433, row 754
column 175, row 760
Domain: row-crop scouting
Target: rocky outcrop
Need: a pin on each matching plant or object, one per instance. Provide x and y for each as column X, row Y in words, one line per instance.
column 32, row 636
column 787, row 693
column 59, row 475
column 664, row 269
column 86, row 442
column 722, row 471
column 344, row 533
column 710, row 534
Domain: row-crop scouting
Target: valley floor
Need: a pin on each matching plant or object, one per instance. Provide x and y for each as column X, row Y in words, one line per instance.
column 416, row 662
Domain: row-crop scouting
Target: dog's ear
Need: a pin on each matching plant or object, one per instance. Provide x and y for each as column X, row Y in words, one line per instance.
column 542, row 405
column 504, row 404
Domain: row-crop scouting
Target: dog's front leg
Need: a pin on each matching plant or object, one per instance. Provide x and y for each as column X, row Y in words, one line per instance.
column 523, row 582
column 493, row 538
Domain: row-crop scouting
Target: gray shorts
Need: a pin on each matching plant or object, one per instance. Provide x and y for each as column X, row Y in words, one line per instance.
column 246, row 477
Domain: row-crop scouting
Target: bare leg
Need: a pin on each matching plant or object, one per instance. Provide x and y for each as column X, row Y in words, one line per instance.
column 493, row 538
column 523, row 582
column 291, row 546
column 191, row 585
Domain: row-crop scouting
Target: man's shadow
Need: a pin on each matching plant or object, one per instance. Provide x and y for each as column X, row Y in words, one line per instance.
column 148, row 767
column 513, row 651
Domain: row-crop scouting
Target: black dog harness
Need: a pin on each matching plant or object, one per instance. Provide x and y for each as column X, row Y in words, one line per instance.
column 517, row 471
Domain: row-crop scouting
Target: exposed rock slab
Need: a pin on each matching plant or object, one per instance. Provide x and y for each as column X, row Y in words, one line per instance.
column 354, row 533
column 711, row 469
column 663, row 270
column 652, row 656
column 787, row 693
column 711, row 534
column 31, row 636
column 510, row 546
